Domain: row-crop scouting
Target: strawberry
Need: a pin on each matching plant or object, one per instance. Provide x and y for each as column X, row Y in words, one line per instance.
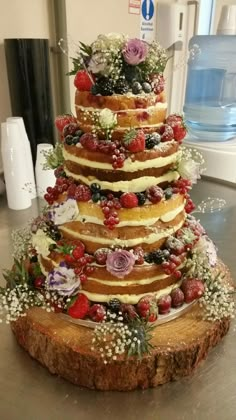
column 78, row 251
column 128, row 311
column 83, row 80
column 97, row 312
column 147, row 308
column 129, row 200
column 80, row 308
column 178, row 126
column 192, row 288
column 62, row 120
column 134, row 141
column 166, row 132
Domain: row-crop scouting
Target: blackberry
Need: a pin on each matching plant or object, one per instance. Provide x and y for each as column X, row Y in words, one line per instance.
column 95, row 89
column 96, row 197
column 159, row 256
column 69, row 140
column 106, row 86
column 114, row 305
column 141, row 198
column 168, row 193
column 121, row 86
column 148, row 258
column 152, row 140
column 147, row 87
column 136, row 88
column 95, row 187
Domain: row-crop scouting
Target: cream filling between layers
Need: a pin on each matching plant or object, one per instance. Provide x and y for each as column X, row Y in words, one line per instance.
column 151, row 108
column 171, row 215
column 132, row 299
column 129, row 165
column 135, row 185
column 127, row 243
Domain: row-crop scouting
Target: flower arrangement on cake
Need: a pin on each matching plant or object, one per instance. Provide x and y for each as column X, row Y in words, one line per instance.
column 116, row 248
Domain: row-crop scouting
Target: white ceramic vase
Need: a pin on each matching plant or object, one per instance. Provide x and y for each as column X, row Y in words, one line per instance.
column 28, row 154
column 15, row 170
column 44, row 177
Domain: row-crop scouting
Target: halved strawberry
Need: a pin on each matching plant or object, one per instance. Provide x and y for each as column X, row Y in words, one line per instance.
column 83, row 81
column 134, row 140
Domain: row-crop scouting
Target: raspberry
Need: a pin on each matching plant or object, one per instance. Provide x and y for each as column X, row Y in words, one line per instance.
column 80, row 308
column 158, row 83
column 166, row 132
column 82, row 193
column 154, row 194
column 164, row 304
column 71, row 191
column 62, row 120
column 129, row 200
column 101, row 255
column 139, row 255
column 177, row 297
column 89, row 141
column 83, row 81
column 97, row 312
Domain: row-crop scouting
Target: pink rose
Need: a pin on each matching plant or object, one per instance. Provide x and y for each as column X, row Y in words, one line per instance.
column 135, row 51
column 120, row 263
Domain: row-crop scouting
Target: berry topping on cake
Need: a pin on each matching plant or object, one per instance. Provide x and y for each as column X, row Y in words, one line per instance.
column 147, row 308
column 62, row 120
column 177, row 297
column 141, row 198
column 147, row 87
column 70, row 129
column 80, row 307
column 154, row 194
column 136, row 88
column 178, row 126
column 139, row 255
column 192, row 288
column 164, row 304
column 97, row 312
column 128, row 311
column 105, row 86
column 83, row 81
column 101, row 255
column 166, row 132
column 114, row 305
column 158, row 83
column 121, row 86
column 129, row 200
column 134, row 141
column 152, row 140
column 82, row 193
column 89, row 141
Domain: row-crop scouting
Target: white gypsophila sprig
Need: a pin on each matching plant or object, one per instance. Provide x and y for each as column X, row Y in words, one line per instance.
column 14, row 303
column 21, row 241
column 218, row 300
column 113, row 337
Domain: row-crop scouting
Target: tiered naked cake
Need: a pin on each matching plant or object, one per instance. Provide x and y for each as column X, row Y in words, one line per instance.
column 117, row 247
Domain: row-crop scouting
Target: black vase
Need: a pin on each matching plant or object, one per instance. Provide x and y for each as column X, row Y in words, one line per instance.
column 30, row 87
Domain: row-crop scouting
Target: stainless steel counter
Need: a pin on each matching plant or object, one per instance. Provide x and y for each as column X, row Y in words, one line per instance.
column 28, row 391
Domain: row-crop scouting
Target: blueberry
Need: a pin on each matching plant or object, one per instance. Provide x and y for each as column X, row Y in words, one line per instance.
column 69, row 140
column 79, row 133
column 141, row 198
column 76, row 139
column 168, row 193
column 95, row 187
column 147, row 88
column 136, row 88
column 96, row 197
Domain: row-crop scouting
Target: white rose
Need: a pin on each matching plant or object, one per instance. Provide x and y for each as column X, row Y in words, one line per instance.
column 107, row 119
column 41, row 242
column 206, row 247
column 97, row 63
column 189, row 169
column 64, row 212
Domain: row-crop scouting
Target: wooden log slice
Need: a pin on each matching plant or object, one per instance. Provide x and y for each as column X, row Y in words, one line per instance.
column 65, row 349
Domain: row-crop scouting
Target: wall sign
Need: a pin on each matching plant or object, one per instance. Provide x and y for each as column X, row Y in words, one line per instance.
column 148, row 20
column 134, row 7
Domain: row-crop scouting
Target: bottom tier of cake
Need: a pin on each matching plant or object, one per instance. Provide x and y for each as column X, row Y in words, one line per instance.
column 65, row 349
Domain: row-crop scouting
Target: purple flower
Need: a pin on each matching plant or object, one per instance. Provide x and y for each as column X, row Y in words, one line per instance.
column 63, row 281
column 120, row 263
column 135, row 51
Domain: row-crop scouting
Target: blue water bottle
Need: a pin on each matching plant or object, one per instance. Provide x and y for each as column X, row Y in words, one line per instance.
column 210, row 99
